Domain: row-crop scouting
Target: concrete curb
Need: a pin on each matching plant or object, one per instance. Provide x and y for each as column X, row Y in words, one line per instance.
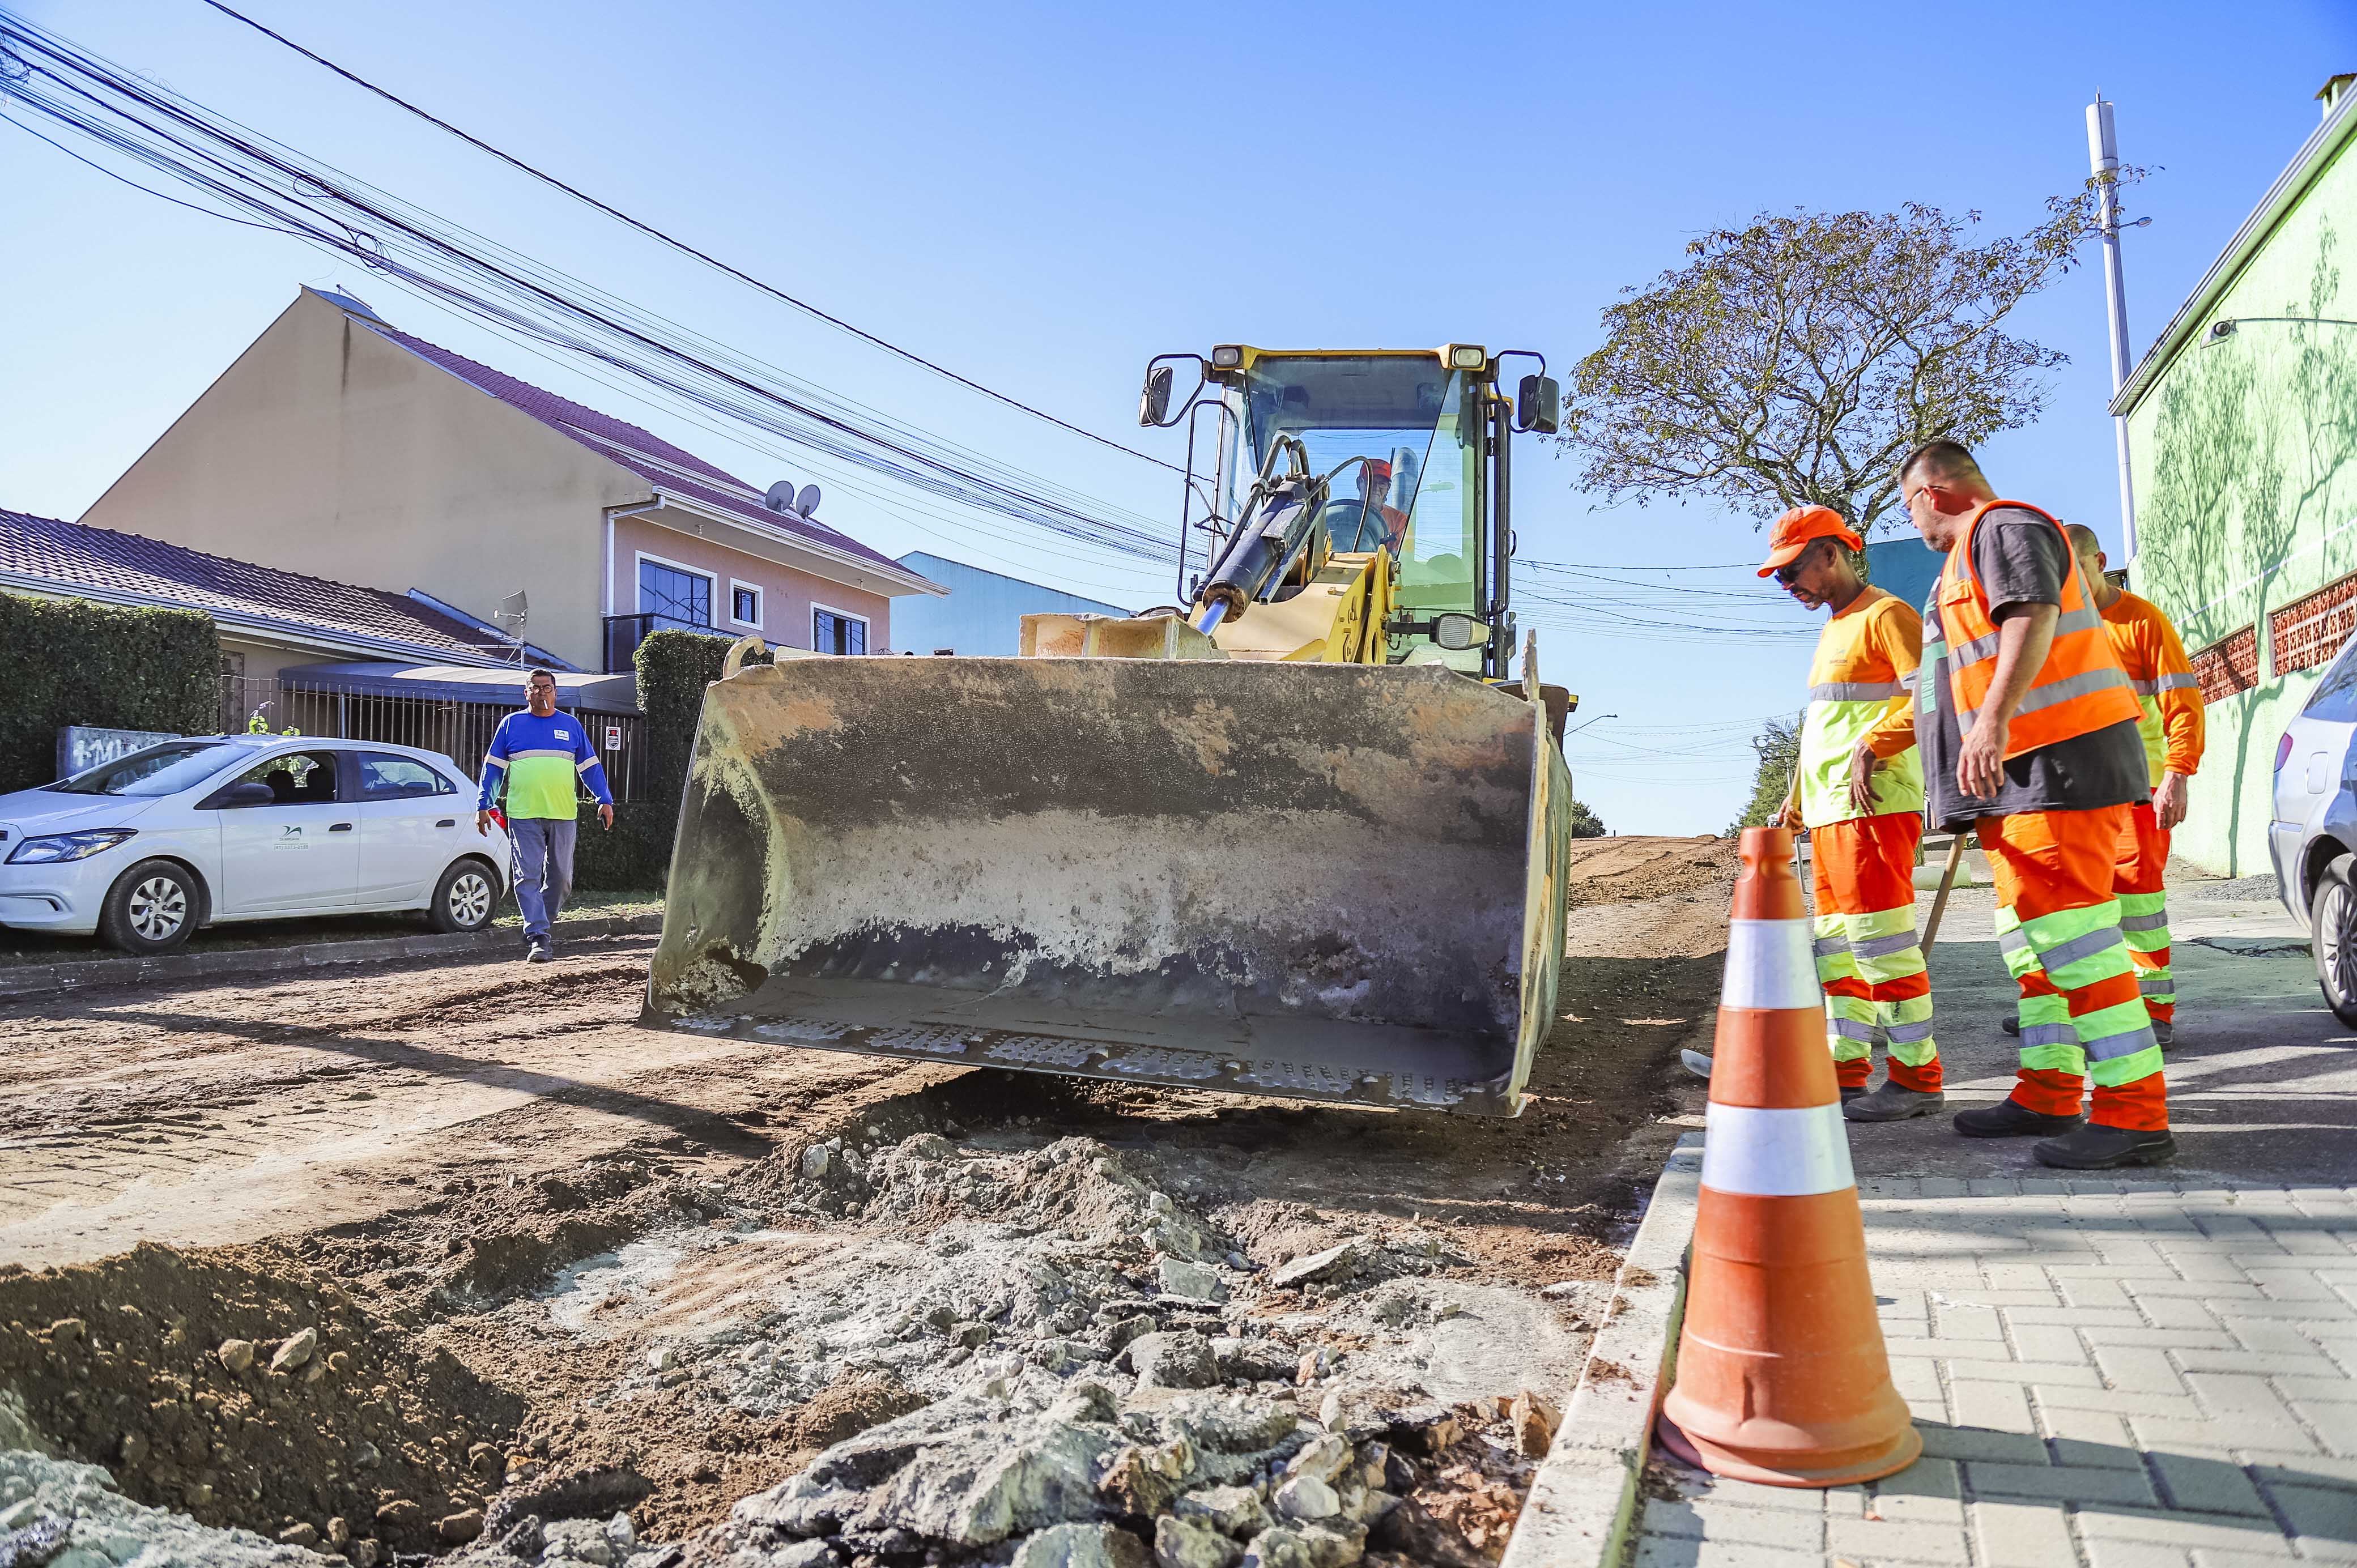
column 37, row 980
column 1583, row 1504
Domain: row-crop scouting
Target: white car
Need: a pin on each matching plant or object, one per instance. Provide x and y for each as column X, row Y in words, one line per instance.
column 2313, row 838
column 194, row 832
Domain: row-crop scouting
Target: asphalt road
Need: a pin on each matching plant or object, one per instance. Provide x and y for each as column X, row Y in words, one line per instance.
column 2262, row 1079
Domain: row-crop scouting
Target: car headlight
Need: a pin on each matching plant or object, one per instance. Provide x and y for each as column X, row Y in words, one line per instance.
column 58, row 847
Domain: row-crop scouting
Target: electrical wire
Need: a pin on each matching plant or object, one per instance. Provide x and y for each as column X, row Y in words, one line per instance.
column 662, row 237
column 315, row 203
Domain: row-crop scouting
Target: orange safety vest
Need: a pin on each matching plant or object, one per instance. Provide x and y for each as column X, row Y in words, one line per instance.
column 2080, row 688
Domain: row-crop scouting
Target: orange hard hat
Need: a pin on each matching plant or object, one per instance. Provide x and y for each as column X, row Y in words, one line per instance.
column 1797, row 529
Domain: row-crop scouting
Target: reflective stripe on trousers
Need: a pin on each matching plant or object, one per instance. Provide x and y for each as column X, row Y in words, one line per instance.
column 2082, row 1017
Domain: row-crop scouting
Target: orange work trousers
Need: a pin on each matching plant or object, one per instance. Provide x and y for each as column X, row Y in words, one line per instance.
column 1868, row 961
column 2139, row 881
column 2057, row 927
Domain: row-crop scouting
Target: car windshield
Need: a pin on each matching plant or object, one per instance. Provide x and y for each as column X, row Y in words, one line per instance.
column 164, row 769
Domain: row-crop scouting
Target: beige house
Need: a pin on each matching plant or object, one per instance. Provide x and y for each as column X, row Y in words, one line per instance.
column 340, row 446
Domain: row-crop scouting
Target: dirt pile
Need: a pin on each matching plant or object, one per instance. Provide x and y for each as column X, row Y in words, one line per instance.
column 251, row 1399
column 1018, row 1351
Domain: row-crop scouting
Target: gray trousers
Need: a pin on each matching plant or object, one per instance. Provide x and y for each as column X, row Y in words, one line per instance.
column 543, row 847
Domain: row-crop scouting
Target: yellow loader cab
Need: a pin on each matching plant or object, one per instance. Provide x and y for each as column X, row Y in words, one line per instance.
column 1291, row 835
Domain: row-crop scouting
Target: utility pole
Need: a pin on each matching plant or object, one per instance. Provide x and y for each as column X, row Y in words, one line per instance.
column 2104, row 158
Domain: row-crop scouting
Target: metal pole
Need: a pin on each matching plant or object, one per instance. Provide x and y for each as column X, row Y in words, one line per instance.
column 2104, row 161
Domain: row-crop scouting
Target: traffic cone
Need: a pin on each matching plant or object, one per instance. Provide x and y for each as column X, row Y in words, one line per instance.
column 1782, row 1376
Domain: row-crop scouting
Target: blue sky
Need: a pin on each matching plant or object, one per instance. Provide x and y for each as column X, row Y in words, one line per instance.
column 1043, row 198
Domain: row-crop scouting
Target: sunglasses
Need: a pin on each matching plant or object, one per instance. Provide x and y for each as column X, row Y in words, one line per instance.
column 1789, row 572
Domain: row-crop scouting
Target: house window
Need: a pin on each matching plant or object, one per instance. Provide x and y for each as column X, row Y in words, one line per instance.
column 832, row 631
column 674, row 592
column 744, row 603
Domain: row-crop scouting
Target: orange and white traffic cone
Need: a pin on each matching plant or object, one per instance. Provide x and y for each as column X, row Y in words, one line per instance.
column 1782, row 1376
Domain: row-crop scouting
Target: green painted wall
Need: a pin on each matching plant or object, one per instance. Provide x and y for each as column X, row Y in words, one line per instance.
column 2245, row 466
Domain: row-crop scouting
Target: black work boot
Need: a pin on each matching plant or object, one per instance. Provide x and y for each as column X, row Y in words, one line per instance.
column 1894, row 1102
column 2011, row 1025
column 2007, row 1119
column 2095, row 1147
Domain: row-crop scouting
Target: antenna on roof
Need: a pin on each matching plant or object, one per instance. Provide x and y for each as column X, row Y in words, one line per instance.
column 780, row 496
column 806, row 501
column 514, row 611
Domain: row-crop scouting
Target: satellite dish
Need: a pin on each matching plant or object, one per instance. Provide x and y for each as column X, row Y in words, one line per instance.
column 806, row 501
column 780, row 496
column 514, row 611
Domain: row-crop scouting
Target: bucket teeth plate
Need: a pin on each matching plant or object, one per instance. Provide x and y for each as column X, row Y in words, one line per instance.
column 1326, row 882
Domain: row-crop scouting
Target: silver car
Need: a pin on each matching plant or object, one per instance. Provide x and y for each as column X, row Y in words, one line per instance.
column 2313, row 838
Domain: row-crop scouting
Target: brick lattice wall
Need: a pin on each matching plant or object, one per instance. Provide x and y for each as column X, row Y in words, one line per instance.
column 2307, row 632
column 2229, row 665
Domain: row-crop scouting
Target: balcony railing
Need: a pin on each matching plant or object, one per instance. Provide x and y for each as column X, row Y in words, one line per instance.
column 624, row 633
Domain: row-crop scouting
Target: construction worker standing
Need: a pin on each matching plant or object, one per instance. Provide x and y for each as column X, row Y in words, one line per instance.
column 2028, row 726
column 1863, row 842
column 2171, row 728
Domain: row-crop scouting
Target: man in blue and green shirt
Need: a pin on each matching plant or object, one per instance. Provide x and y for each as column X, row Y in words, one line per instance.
column 544, row 757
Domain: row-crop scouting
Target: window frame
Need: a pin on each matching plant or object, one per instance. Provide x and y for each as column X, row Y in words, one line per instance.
column 738, row 585
column 359, row 774
column 639, row 586
column 867, row 629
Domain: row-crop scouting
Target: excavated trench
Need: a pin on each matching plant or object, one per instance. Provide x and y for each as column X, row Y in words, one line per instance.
column 948, row 1317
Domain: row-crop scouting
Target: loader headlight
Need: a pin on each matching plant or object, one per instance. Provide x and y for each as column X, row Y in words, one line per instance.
column 1467, row 356
column 56, row 847
column 1228, row 356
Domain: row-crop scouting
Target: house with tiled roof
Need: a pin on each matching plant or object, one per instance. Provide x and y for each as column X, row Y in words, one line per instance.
column 340, row 447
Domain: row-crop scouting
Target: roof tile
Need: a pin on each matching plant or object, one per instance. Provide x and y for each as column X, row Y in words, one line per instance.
column 68, row 555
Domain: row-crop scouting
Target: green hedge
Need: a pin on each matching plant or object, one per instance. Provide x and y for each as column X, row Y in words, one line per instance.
column 68, row 661
column 675, row 667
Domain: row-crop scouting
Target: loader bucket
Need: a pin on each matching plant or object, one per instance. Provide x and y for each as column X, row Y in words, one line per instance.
column 1323, row 881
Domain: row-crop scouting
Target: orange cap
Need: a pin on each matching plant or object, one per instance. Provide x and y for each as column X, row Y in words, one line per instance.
column 1798, row 528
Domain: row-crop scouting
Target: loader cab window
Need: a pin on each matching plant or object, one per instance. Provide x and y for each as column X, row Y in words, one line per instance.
column 1415, row 486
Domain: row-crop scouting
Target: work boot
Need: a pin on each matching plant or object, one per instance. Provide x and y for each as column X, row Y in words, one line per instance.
column 1850, row 1093
column 2164, row 1032
column 537, row 950
column 2010, row 1119
column 2011, row 1025
column 2095, row 1147
column 1893, row 1102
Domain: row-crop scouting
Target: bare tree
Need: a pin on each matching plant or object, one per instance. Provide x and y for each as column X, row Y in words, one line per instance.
column 1796, row 359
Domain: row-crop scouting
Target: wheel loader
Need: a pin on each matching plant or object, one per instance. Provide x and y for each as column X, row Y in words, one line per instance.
column 1296, row 833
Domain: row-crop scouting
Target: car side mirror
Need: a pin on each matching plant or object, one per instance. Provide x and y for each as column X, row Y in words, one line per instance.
column 1153, row 407
column 1459, row 633
column 251, row 793
column 1538, row 405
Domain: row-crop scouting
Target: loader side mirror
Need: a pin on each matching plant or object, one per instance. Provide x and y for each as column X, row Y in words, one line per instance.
column 1538, row 405
column 1459, row 633
column 1154, row 408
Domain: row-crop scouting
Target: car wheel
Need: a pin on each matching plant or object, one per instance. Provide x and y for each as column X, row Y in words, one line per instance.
column 151, row 908
column 464, row 898
column 2332, row 918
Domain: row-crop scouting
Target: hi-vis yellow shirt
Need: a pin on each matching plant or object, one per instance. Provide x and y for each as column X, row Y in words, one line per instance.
column 1864, row 674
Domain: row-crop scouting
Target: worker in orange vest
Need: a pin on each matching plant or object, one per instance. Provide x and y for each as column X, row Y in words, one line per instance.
column 1862, row 844
column 2028, row 726
column 2170, row 725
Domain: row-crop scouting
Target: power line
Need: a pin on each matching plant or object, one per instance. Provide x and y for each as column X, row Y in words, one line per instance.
column 321, row 206
column 682, row 246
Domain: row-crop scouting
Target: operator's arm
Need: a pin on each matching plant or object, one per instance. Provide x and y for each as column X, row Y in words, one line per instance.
column 2024, row 633
column 495, row 772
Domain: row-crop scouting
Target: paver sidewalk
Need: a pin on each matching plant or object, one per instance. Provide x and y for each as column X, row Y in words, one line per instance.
column 2126, row 1375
